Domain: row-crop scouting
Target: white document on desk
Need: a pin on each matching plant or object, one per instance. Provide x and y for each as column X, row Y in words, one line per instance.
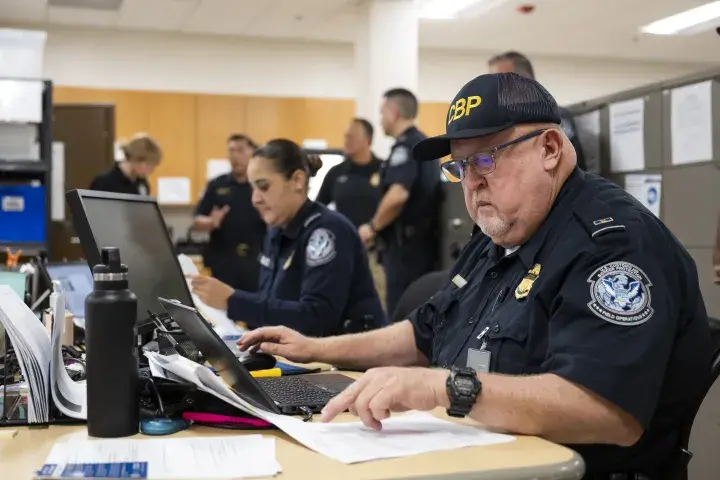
column 401, row 436
column 239, row 456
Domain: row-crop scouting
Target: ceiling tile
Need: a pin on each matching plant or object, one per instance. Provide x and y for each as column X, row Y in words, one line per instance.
column 23, row 11
column 156, row 14
column 81, row 16
column 227, row 16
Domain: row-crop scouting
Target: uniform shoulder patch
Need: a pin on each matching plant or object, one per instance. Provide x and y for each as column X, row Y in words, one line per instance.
column 311, row 219
column 320, row 247
column 620, row 294
column 399, row 156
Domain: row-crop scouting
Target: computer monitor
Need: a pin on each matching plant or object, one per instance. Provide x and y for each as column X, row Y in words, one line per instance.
column 76, row 281
column 134, row 224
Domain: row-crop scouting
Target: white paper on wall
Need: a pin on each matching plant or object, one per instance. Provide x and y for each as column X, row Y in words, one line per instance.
column 173, row 190
column 647, row 189
column 627, row 135
column 57, row 180
column 216, row 167
column 691, row 123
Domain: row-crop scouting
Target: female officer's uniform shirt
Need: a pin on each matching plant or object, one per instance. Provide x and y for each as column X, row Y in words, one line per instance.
column 604, row 296
column 314, row 278
column 115, row 181
column 354, row 189
column 233, row 251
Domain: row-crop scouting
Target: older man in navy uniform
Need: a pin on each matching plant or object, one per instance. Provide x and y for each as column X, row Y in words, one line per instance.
column 577, row 316
column 407, row 219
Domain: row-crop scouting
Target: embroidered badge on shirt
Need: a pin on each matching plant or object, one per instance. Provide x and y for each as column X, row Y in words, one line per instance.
column 222, row 190
column 399, row 156
column 602, row 221
column 620, row 294
column 375, row 179
column 320, row 248
column 523, row 289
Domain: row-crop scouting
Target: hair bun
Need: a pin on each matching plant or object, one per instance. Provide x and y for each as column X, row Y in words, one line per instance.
column 315, row 163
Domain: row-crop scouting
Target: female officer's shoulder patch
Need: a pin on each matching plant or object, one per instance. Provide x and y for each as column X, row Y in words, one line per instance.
column 320, row 247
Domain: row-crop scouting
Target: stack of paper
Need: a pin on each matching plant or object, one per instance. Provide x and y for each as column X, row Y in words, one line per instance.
column 69, row 396
column 218, row 318
column 404, row 435
column 41, row 361
column 32, row 347
column 168, row 458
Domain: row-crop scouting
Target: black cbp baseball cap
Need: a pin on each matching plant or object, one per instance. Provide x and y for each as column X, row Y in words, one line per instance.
column 490, row 104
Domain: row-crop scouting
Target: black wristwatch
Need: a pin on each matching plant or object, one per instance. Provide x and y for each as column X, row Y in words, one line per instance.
column 463, row 387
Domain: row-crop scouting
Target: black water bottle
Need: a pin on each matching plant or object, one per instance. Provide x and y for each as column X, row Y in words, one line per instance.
column 113, row 408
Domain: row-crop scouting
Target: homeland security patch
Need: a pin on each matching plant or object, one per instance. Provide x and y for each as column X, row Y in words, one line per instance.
column 320, row 248
column 620, row 294
column 399, row 156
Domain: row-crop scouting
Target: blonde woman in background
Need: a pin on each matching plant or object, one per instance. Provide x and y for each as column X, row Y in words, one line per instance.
column 142, row 155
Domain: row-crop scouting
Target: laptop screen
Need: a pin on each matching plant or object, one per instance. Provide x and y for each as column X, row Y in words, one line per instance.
column 77, row 283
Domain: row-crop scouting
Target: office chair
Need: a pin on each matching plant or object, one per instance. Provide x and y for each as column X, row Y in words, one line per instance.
column 418, row 292
column 686, row 427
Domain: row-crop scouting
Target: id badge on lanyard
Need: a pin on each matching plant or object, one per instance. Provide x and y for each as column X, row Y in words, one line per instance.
column 479, row 360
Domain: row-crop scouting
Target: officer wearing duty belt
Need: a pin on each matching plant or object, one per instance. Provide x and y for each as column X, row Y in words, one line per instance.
column 577, row 316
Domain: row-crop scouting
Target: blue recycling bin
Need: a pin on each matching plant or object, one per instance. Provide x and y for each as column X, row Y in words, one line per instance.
column 22, row 214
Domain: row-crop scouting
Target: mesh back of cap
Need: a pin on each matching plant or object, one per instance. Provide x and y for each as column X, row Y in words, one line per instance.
column 525, row 98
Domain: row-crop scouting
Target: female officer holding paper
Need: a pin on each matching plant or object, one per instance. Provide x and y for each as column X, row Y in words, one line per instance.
column 314, row 274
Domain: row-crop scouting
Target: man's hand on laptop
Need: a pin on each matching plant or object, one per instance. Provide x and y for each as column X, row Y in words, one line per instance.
column 381, row 391
column 281, row 341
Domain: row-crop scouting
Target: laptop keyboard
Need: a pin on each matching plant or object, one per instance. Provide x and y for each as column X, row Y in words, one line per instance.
column 294, row 391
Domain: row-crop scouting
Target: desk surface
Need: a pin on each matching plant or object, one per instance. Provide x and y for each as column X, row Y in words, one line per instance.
column 526, row 457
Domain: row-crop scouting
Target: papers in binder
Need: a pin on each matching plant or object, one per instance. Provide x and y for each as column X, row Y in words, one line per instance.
column 218, row 318
column 40, row 359
column 410, row 434
column 69, row 396
column 168, row 458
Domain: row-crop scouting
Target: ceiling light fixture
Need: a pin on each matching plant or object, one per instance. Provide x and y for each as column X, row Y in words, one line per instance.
column 686, row 23
column 450, row 9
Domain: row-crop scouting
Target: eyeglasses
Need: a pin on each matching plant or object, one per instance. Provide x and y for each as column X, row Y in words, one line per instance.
column 483, row 162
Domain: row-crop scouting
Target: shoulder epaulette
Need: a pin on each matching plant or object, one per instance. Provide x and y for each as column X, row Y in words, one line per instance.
column 596, row 217
column 311, row 219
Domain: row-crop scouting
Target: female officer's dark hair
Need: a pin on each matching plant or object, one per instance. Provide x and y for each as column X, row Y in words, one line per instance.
column 287, row 157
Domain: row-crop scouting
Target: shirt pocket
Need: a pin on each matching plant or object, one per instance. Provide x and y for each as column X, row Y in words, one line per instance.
column 442, row 304
column 508, row 340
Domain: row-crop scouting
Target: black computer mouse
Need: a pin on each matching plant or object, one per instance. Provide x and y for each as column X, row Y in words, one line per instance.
column 258, row 361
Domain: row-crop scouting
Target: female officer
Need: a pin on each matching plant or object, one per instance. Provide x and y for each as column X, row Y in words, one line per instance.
column 142, row 156
column 314, row 274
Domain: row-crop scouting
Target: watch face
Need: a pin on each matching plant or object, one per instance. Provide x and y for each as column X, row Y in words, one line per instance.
column 464, row 383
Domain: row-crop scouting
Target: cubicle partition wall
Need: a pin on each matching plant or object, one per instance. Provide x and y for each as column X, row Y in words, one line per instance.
column 662, row 143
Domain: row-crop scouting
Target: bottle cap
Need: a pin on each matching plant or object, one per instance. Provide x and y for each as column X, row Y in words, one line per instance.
column 110, row 268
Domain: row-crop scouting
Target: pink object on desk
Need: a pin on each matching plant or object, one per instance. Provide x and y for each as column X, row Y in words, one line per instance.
column 211, row 419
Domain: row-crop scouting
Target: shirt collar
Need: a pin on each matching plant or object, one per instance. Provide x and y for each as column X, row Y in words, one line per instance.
column 294, row 227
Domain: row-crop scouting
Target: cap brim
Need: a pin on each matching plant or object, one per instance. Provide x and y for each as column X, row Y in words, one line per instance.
column 433, row 148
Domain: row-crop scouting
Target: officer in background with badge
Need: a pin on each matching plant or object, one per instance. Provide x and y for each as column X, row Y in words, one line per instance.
column 406, row 224
column 314, row 274
column 353, row 187
column 236, row 229
column 577, row 316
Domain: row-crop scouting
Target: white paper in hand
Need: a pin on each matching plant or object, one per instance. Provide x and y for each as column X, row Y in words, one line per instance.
column 218, row 318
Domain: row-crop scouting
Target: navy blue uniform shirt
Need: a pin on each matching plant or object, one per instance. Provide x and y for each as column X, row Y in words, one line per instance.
column 421, row 179
column 604, row 296
column 234, row 247
column 314, row 278
column 115, row 181
column 354, row 189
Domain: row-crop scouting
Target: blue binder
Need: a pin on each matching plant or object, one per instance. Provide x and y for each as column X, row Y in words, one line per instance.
column 22, row 214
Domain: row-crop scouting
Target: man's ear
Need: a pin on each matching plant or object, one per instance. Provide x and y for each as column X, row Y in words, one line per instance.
column 552, row 142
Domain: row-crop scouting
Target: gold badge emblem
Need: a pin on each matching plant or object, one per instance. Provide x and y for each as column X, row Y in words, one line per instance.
column 288, row 262
column 222, row 190
column 375, row 179
column 242, row 249
column 523, row 289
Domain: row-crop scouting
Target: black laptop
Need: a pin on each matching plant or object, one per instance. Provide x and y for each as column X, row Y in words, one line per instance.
column 292, row 395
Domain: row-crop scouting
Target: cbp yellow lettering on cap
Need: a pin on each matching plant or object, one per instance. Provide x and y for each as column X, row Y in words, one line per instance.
column 462, row 107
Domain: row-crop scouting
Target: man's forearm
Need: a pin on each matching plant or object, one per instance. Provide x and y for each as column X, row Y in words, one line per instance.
column 203, row 223
column 553, row 408
column 390, row 346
